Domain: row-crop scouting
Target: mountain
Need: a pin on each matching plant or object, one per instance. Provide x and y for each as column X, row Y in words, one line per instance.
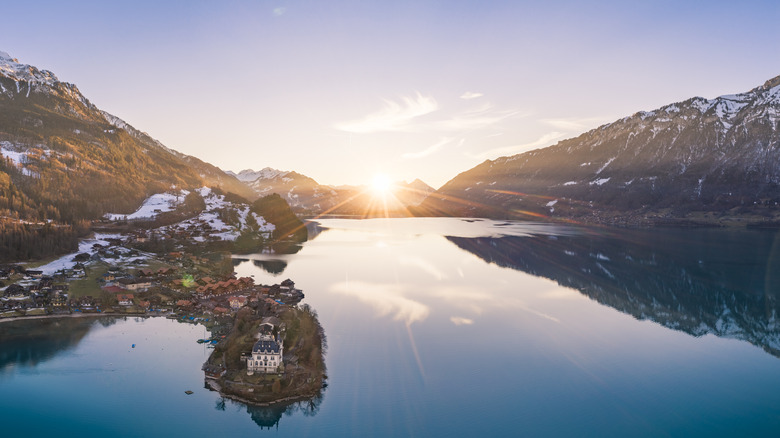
column 696, row 160
column 305, row 195
column 66, row 161
column 302, row 193
column 718, row 282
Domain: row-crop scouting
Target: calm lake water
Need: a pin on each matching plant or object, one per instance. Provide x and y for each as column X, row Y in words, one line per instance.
column 446, row 327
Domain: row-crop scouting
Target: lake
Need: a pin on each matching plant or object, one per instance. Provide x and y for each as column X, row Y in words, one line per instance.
column 450, row 327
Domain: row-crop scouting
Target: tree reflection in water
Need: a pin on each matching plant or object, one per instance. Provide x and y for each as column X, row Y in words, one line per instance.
column 268, row 417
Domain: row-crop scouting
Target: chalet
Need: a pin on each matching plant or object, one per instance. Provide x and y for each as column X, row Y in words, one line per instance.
column 288, row 284
column 16, row 291
column 77, row 273
column 145, row 273
column 34, row 274
column 135, row 284
column 166, row 271
column 237, row 302
column 220, row 310
column 125, row 299
column 184, row 303
column 213, row 371
column 60, row 299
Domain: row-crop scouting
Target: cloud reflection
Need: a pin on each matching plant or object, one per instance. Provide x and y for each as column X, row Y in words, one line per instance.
column 387, row 299
column 423, row 264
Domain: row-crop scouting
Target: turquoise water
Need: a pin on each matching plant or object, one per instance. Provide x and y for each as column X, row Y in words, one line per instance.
column 443, row 327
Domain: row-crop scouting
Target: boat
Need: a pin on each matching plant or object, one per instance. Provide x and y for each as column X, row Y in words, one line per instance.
column 188, row 392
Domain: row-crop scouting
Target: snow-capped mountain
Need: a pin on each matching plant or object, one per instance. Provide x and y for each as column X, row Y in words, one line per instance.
column 688, row 159
column 302, row 193
column 66, row 160
column 25, row 74
column 249, row 175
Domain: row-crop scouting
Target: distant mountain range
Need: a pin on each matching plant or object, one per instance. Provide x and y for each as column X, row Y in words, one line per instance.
column 698, row 160
column 305, row 195
column 65, row 160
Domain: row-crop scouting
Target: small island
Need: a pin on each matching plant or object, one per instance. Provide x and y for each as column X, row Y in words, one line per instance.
column 272, row 354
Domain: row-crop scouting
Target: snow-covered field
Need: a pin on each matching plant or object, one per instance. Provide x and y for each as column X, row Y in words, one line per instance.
column 153, row 206
column 85, row 246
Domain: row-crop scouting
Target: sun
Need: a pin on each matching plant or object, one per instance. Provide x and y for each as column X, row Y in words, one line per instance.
column 381, row 184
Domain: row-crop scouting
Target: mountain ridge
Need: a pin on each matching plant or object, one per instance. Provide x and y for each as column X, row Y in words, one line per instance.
column 66, row 162
column 698, row 158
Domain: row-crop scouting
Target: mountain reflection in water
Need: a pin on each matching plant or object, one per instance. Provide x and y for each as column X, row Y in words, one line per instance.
column 27, row 343
column 697, row 281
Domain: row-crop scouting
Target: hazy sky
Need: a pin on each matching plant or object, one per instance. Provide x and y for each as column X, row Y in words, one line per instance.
column 342, row 90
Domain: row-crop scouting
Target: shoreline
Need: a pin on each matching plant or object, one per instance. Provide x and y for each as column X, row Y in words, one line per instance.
column 214, row 386
column 74, row 315
column 211, row 384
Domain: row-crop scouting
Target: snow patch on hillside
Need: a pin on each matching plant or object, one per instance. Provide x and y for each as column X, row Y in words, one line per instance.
column 19, row 158
column 153, row 206
column 87, row 246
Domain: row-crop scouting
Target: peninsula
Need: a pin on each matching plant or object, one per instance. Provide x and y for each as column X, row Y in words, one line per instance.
column 273, row 354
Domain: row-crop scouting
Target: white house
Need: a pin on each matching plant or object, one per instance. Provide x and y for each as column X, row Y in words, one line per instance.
column 125, row 299
column 267, row 352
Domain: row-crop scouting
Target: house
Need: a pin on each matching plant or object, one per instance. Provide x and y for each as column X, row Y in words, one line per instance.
column 125, row 299
column 213, row 371
column 35, row 274
column 237, row 302
column 135, row 285
column 145, row 273
column 267, row 352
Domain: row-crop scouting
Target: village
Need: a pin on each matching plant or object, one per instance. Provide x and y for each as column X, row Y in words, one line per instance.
column 170, row 290
column 141, row 266
column 266, row 348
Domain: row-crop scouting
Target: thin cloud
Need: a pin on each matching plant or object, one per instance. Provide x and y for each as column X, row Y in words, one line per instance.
column 470, row 95
column 544, row 140
column 404, row 116
column 427, row 151
column 278, row 12
column 457, row 320
column 395, row 116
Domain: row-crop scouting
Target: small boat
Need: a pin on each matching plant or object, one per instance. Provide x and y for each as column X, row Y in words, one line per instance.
column 202, row 341
column 188, row 392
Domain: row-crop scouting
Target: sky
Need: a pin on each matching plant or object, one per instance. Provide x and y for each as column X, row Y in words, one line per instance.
column 344, row 90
